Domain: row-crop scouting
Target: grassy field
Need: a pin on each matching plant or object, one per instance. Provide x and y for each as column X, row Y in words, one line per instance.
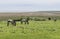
column 34, row 30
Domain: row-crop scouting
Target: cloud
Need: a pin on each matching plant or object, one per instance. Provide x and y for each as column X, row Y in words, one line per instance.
column 29, row 1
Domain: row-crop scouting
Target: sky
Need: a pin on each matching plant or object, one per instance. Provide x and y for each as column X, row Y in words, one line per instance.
column 29, row 5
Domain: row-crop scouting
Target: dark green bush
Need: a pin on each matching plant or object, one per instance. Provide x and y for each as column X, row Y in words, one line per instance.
column 38, row 19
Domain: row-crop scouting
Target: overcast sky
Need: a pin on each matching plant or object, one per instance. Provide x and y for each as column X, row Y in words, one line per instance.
column 29, row 5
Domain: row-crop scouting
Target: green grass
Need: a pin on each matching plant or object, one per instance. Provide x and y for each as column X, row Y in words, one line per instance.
column 35, row 30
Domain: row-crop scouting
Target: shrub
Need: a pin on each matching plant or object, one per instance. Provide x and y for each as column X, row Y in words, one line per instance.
column 38, row 19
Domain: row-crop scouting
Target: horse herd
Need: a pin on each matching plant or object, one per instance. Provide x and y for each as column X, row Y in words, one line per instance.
column 25, row 20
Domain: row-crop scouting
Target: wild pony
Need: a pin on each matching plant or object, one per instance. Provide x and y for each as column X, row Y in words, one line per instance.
column 13, row 22
column 49, row 18
column 26, row 20
column 55, row 19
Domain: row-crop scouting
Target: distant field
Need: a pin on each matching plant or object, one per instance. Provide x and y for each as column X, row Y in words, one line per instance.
column 35, row 30
column 37, row 13
column 17, row 15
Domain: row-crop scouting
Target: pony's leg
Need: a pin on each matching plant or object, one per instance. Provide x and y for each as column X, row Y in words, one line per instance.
column 55, row 20
column 27, row 22
column 21, row 22
column 14, row 23
column 7, row 23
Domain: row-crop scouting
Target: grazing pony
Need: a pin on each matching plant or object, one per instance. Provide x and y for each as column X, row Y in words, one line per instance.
column 55, row 19
column 13, row 22
column 26, row 20
column 49, row 18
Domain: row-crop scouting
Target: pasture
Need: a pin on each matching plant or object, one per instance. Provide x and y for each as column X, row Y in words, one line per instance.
column 33, row 30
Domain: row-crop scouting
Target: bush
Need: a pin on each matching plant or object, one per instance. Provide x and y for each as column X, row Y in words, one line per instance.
column 37, row 19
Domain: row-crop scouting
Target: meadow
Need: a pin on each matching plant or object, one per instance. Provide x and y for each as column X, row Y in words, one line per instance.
column 33, row 30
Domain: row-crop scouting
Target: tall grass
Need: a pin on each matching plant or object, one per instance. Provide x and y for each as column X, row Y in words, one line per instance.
column 34, row 30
